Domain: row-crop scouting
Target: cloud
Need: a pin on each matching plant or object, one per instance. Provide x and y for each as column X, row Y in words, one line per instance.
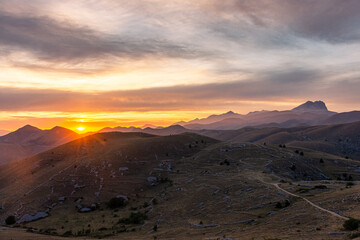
column 51, row 40
column 275, row 86
column 333, row 21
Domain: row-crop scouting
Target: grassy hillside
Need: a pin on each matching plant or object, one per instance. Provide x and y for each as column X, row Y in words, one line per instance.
column 179, row 187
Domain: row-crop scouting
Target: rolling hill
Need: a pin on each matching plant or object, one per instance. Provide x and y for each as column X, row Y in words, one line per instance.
column 179, row 186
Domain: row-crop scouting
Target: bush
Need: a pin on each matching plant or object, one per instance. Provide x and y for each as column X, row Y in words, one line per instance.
column 146, row 204
column 155, row 228
column 278, row 205
column 67, row 234
column 134, row 218
column 349, row 184
column 354, row 235
column 10, row 220
column 351, row 224
column 283, row 204
column 116, row 203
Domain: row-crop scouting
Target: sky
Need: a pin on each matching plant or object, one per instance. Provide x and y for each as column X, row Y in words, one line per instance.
column 112, row 62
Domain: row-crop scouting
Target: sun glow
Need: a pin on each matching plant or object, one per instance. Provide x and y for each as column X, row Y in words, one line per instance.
column 80, row 128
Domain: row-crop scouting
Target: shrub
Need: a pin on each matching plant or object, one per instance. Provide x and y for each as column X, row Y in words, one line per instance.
column 351, row 224
column 116, row 203
column 354, row 235
column 283, row 204
column 134, row 218
column 67, row 233
column 146, row 204
column 155, row 228
column 10, row 220
column 321, row 160
column 293, row 167
column 349, row 184
column 278, row 205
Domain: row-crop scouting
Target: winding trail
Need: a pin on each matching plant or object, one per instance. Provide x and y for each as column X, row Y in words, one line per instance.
column 308, row 201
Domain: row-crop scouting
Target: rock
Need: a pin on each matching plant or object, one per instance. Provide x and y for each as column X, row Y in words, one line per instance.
column 151, row 179
column 227, row 199
column 123, row 197
column 216, row 191
column 190, row 180
column 282, row 193
column 76, row 186
column 61, row 199
column 30, row 218
column 85, row 209
column 205, row 226
column 271, row 213
column 123, row 168
column 241, row 222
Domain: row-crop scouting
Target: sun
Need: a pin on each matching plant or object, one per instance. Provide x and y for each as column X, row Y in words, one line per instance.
column 80, row 128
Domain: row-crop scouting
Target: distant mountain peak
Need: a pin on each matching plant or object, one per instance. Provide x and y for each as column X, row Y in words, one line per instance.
column 312, row 106
column 28, row 127
column 148, row 126
column 230, row 112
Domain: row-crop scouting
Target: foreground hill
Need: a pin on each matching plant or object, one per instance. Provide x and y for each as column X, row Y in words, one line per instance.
column 183, row 186
column 92, row 168
column 29, row 140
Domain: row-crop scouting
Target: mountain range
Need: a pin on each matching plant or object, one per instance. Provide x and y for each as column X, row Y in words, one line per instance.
column 188, row 180
column 30, row 140
column 307, row 114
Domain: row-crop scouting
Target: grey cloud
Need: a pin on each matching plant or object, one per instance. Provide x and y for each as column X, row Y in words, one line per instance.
column 277, row 87
column 334, row 21
column 50, row 40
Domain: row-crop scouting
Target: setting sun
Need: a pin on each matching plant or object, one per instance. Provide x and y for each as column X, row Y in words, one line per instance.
column 80, row 128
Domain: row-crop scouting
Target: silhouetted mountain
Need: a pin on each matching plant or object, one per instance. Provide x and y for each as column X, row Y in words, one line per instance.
column 346, row 117
column 149, row 126
column 309, row 113
column 211, row 119
column 121, row 129
column 311, row 106
column 173, row 129
column 29, row 140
